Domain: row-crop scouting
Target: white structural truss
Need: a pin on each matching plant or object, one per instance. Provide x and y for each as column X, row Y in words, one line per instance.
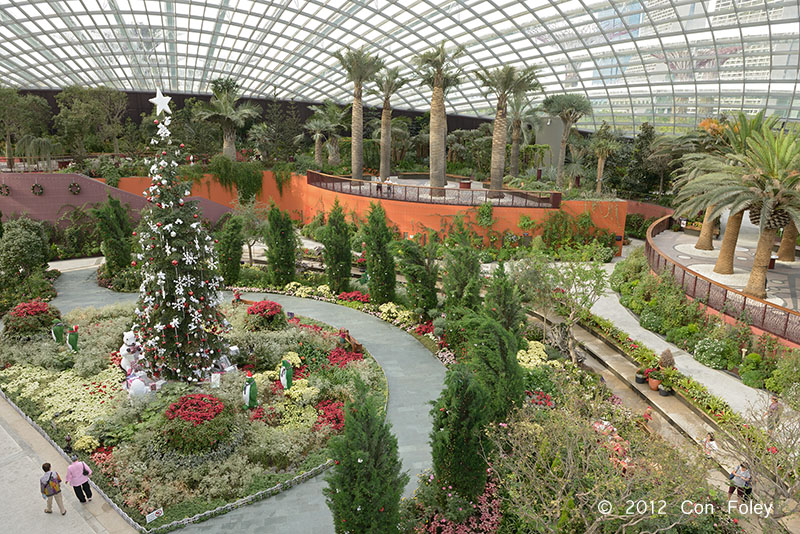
column 671, row 62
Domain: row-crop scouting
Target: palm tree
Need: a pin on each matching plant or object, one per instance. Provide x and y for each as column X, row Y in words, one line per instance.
column 763, row 179
column 569, row 108
column 604, row 143
column 786, row 251
column 440, row 73
column 361, row 67
column 504, row 82
column 315, row 126
column 223, row 110
column 388, row 83
column 334, row 119
column 399, row 135
column 523, row 118
column 579, row 165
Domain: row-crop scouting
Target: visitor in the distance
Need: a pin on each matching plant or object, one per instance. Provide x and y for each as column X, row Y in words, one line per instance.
column 740, row 481
column 78, row 474
column 50, row 485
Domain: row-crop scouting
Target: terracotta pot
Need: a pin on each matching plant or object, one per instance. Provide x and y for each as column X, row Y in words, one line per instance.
column 653, row 383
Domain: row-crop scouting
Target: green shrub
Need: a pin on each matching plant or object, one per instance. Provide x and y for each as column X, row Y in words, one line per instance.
column 281, row 244
column 686, row 337
column 651, row 320
column 337, row 253
column 712, row 353
column 380, row 262
column 29, row 319
column 786, row 374
column 21, row 252
column 253, row 277
column 229, row 250
column 115, row 232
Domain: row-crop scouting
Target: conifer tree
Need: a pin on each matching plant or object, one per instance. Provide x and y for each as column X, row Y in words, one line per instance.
column 365, row 485
column 503, row 303
column 230, row 250
column 462, row 269
column 418, row 265
column 178, row 322
column 493, row 356
column 380, row 262
column 281, row 246
column 337, row 254
column 459, row 417
column 115, row 231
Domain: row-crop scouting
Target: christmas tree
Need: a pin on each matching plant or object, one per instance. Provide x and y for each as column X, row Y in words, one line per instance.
column 178, row 322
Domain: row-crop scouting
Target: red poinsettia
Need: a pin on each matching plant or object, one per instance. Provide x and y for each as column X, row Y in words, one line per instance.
column 265, row 308
column 195, row 409
column 354, row 296
column 331, row 413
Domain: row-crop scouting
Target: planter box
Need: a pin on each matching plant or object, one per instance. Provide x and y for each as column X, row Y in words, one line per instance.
column 465, row 184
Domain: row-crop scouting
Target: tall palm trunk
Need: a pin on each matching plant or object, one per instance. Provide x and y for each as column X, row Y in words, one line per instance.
column 229, row 142
column 357, row 134
column 498, row 151
column 318, row 151
column 756, row 284
column 436, row 142
column 386, row 140
column 516, row 135
column 727, row 249
column 788, row 243
column 562, row 156
column 116, row 147
column 334, row 157
column 705, row 241
column 601, row 164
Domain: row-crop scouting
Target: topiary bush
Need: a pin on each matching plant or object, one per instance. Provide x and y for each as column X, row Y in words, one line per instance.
column 265, row 315
column 196, row 423
column 29, row 319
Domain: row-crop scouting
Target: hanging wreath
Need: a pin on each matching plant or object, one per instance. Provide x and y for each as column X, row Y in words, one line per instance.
column 75, row 188
column 4, row 190
column 37, row 189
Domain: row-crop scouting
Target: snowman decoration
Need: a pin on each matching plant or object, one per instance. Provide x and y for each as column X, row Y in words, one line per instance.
column 130, row 352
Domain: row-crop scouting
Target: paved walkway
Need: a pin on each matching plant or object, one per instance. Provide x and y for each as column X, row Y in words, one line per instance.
column 414, row 378
column 741, row 398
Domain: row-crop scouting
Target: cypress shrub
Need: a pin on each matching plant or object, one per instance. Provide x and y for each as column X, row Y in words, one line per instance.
column 229, row 250
column 380, row 262
column 337, row 254
column 281, row 246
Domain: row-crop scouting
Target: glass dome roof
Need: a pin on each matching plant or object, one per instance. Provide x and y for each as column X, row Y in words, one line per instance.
column 671, row 62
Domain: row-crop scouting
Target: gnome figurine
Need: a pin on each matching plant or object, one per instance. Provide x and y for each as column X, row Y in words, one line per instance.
column 250, row 392
column 57, row 331
column 72, row 338
column 286, row 374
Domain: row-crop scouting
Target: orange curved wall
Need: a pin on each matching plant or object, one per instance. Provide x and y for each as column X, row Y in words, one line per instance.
column 304, row 201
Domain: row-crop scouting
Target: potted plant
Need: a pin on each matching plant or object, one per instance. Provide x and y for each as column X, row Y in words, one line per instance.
column 665, row 390
column 640, row 379
column 654, row 378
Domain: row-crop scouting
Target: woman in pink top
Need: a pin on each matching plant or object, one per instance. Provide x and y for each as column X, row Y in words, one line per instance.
column 78, row 477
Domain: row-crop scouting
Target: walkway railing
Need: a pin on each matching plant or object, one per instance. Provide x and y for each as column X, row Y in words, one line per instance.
column 435, row 195
column 772, row 318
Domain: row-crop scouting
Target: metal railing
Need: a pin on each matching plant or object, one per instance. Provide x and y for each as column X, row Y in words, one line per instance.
column 772, row 318
column 435, row 195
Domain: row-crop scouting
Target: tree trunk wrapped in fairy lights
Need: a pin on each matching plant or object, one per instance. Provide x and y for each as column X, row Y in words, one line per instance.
column 178, row 322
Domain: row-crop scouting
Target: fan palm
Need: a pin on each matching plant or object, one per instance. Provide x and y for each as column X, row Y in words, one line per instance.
column 361, row 67
column 315, row 126
column 764, row 179
column 523, row 119
column 570, row 108
column 388, row 83
column 440, row 73
column 504, row 82
column 334, row 120
column 604, row 143
column 223, row 110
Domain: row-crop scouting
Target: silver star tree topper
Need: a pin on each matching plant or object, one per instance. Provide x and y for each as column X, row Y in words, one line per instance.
column 161, row 102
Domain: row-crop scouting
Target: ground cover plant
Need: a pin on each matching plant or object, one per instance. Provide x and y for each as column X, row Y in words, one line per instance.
column 188, row 447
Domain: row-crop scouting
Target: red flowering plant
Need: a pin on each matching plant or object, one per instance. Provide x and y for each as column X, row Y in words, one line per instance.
column 196, row 423
column 331, row 414
column 339, row 357
column 28, row 319
column 540, row 399
column 265, row 315
column 354, row 296
column 424, row 328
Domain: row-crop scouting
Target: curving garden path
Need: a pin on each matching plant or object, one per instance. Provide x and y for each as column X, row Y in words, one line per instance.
column 414, row 377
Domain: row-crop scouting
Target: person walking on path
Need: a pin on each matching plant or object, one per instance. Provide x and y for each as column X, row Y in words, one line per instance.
column 709, row 445
column 78, row 474
column 50, row 486
column 773, row 413
column 740, row 481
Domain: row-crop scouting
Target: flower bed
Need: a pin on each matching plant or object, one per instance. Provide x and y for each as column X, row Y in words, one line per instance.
column 189, row 449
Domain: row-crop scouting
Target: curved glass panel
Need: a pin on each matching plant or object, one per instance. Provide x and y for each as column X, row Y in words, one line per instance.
column 671, row 62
